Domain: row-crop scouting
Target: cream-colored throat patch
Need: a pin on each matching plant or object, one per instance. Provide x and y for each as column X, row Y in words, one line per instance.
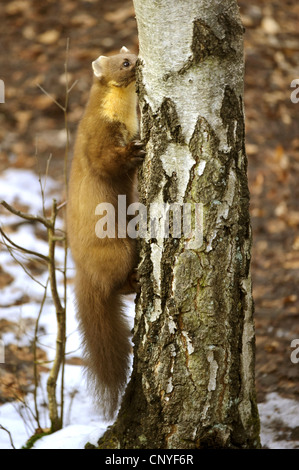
column 120, row 105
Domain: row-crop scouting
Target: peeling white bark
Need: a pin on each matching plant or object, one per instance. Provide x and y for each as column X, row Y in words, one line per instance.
column 223, row 207
column 191, row 95
column 247, row 357
column 213, row 371
column 178, row 161
column 190, row 348
column 201, row 167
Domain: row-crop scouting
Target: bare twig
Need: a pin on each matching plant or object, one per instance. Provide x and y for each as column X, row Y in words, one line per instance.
column 56, row 421
column 27, row 416
column 52, row 98
column 30, row 217
column 11, row 252
column 65, row 112
column 9, row 435
column 67, row 93
column 43, row 187
column 24, row 250
column 35, row 361
column 72, row 86
column 61, row 206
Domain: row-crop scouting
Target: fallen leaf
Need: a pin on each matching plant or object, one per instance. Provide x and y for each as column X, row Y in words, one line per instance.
column 23, row 118
column 269, row 25
column 14, row 8
column 84, row 20
column 43, row 102
column 120, row 15
column 292, row 264
column 272, row 347
column 5, row 278
column 49, row 37
column 29, row 32
column 290, row 299
column 295, row 245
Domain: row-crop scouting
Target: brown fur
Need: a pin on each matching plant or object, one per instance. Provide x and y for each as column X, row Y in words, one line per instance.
column 103, row 167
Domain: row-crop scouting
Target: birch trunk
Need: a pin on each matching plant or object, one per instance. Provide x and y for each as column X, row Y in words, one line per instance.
column 192, row 384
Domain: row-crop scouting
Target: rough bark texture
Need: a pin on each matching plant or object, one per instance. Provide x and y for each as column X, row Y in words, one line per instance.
column 192, row 384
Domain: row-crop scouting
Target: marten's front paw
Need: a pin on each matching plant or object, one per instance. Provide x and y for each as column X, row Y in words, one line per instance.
column 136, row 153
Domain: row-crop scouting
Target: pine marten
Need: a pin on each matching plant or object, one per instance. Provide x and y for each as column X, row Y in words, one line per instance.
column 105, row 161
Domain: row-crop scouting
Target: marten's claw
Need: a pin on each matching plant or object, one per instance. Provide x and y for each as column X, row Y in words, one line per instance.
column 138, row 152
column 134, row 280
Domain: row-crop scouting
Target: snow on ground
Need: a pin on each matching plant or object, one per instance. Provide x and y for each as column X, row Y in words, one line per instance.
column 279, row 416
column 279, row 422
column 82, row 422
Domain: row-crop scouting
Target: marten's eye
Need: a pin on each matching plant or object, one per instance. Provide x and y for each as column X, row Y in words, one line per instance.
column 126, row 63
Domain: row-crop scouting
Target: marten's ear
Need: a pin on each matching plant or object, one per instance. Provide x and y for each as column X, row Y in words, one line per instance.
column 124, row 50
column 97, row 65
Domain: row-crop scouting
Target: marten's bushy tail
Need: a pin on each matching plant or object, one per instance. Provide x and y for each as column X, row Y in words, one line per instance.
column 107, row 348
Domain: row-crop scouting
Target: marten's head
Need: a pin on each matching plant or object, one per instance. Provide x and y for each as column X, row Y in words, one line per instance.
column 117, row 70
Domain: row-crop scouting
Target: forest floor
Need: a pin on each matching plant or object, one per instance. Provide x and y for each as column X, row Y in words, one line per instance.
column 33, row 42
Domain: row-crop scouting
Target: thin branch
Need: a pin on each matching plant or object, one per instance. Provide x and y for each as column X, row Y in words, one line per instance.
column 27, row 420
column 65, row 111
column 53, row 99
column 61, row 206
column 56, row 421
column 47, row 169
column 68, row 414
column 59, row 239
column 10, row 250
column 30, row 217
column 24, row 250
column 72, row 86
column 35, row 362
column 9, row 435
column 66, row 155
column 43, row 187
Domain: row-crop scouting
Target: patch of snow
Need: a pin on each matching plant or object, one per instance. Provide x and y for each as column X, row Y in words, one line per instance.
column 279, row 417
column 22, row 186
column 82, row 421
column 71, row 437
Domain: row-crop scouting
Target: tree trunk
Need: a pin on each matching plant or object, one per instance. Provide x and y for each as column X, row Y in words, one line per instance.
column 192, row 384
